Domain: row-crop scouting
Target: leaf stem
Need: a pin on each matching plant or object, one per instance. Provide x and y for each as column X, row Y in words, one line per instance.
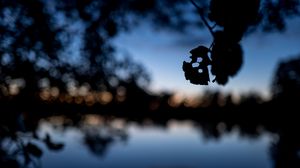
column 200, row 11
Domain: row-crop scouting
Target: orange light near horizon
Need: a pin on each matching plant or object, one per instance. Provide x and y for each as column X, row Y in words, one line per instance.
column 13, row 89
column 104, row 97
column 89, row 99
column 4, row 90
column 83, row 90
column 68, row 99
column 62, row 98
column 79, row 100
column 54, row 92
column 45, row 94
column 191, row 102
column 175, row 100
column 120, row 98
column 121, row 94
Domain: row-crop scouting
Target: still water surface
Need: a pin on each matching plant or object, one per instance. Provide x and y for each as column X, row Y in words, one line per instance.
column 116, row 143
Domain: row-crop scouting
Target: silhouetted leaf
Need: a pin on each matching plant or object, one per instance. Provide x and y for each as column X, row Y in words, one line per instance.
column 226, row 53
column 199, row 74
column 226, row 58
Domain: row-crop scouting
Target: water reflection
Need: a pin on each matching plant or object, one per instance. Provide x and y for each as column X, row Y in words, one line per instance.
column 105, row 141
column 114, row 142
column 19, row 149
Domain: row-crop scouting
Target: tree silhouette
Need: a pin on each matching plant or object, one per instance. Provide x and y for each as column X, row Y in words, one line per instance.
column 286, row 81
column 59, row 44
column 233, row 19
column 70, row 43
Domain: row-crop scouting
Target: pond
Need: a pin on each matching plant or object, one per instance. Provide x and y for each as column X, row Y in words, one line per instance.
column 110, row 142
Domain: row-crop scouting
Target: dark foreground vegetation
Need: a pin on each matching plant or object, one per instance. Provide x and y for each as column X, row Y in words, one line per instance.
column 57, row 59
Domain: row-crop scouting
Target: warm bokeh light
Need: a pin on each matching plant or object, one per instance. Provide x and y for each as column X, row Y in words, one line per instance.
column 79, row 100
column 90, row 99
column 13, row 89
column 45, row 94
column 54, row 92
column 191, row 102
column 105, row 97
column 121, row 94
column 175, row 100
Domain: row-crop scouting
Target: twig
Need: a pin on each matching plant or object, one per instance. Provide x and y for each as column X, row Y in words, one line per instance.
column 214, row 26
column 211, row 46
column 200, row 11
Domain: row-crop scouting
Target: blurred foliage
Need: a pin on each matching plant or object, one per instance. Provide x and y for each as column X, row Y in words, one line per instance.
column 68, row 43
column 22, row 148
column 286, row 81
column 64, row 43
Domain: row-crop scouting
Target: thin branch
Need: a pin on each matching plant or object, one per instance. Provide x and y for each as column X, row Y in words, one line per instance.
column 211, row 46
column 200, row 11
column 214, row 26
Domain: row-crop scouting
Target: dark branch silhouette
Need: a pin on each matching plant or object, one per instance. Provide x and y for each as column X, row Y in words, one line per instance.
column 234, row 18
column 57, row 58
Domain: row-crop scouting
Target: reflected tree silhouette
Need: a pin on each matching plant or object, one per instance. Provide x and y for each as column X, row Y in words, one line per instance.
column 100, row 137
column 285, row 152
column 285, row 89
column 23, row 149
column 99, row 143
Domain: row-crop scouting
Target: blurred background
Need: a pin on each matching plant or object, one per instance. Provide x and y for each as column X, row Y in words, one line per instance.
column 149, row 84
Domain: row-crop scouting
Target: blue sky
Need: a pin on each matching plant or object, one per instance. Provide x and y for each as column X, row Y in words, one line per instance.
column 162, row 53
